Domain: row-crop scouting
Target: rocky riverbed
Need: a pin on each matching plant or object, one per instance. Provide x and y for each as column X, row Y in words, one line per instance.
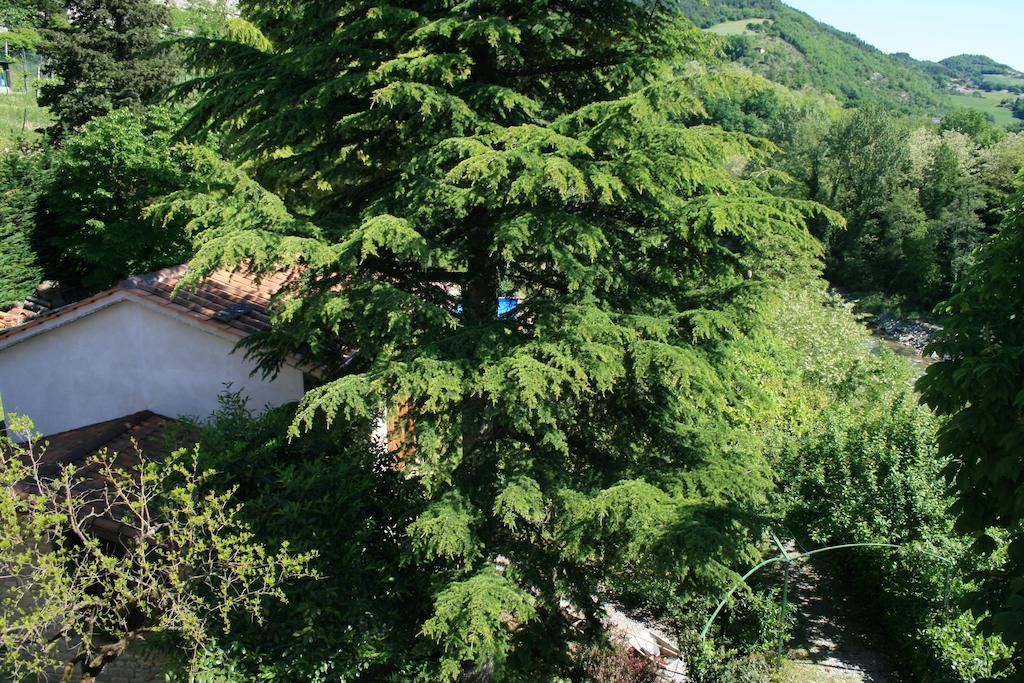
column 912, row 333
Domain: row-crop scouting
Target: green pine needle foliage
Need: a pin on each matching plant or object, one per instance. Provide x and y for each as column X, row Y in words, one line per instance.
column 104, row 58
column 22, row 180
column 418, row 160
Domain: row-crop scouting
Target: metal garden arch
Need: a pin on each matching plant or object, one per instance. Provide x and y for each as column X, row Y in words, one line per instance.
column 788, row 559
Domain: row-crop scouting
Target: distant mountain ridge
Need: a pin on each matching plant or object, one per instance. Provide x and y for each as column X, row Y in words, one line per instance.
column 975, row 68
column 790, row 47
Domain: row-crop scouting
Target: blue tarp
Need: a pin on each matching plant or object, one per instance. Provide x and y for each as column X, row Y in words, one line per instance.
column 505, row 304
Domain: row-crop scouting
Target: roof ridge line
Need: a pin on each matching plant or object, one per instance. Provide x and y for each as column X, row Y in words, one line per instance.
column 156, row 276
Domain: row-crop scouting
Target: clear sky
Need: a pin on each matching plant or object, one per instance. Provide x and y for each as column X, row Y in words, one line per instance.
column 930, row 29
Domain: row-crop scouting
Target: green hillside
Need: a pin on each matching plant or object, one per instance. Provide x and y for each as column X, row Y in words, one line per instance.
column 746, row 26
column 792, row 48
column 989, row 103
column 718, row 11
column 20, row 114
column 982, row 71
column 1002, row 82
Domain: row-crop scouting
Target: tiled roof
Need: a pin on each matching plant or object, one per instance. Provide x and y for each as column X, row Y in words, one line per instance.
column 234, row 299
column 155, row 436
column 54, row 314
column 14, row 316
column 23, row 310
column 231, row 301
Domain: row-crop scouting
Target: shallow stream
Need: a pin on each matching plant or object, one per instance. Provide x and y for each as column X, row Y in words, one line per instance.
column 918, row 362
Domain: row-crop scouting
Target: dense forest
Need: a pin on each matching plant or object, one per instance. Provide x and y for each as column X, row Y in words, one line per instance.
column 694, row 228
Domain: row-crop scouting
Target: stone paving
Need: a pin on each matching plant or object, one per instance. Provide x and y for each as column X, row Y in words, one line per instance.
column 829, row 645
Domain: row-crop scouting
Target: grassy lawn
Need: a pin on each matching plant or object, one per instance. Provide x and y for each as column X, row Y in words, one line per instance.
column 987, row 102
column 1000, row 81
column 20, row 115
column 803, row 672
column 731, row 28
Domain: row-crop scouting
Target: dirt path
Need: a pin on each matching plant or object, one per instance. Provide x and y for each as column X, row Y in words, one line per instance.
column 828, row 643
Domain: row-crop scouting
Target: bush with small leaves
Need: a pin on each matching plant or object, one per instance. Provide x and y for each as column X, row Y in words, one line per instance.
column 182, row 563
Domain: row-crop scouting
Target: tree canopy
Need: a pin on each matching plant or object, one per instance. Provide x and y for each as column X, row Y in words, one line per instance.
column 22, row 181
column 420, row 161
column 104, row 59
column 94, row 229
column 980, row 385
column 567, row 254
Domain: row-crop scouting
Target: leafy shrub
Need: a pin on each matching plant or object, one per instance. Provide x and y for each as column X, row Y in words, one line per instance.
column 872, row 474
column 183, row 563
column 617, row 665
column 857, row 461
column 334, row 492
column 707, row 664
column 95, row 226
column 958, row 649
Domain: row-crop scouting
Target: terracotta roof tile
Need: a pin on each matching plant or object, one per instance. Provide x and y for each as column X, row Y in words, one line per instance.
column 53, row 314
column 230, row 300
column 147, row 428
column 14, row 316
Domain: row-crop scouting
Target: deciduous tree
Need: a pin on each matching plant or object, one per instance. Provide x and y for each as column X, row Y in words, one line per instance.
column 93, row 230
column 980, row 385
column 979, row 125
column 182, row 565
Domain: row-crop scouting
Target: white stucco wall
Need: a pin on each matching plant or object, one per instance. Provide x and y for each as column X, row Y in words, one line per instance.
column 125, row 358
